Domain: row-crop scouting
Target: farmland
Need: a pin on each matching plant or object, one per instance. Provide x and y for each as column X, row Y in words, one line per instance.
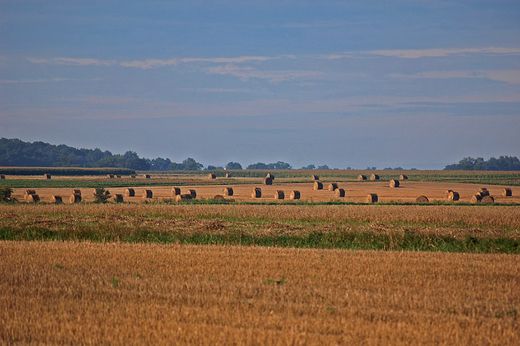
column 319, row 270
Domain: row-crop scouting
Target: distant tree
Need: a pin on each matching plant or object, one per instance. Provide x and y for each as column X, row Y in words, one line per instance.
column 233, row 165
column 387, row 169
column 371, row 168
column 211, row 168
column 323, row 167
column 258, row 165
column 101, row 195
column 192, row 165
column 159, row 164
column 5, row 193
column 311, row 166
column 503, row 163
column 281, row 165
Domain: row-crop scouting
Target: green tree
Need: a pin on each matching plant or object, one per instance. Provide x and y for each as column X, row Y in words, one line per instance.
column 5, row 193
column 101, row 195
column 233, row 165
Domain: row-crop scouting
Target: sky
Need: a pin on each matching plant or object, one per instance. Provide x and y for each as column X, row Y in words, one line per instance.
column 355, row 84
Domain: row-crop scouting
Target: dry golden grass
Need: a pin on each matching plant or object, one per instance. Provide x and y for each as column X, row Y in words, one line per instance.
column 85, row 293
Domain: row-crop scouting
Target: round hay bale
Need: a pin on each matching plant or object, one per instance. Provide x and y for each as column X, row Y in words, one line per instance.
column 339, row 192
column 2, row 176
column 333, row 186
column 228, row 175
column 362, row 177
column 268, row 181
column 74, row 198
column 129, row 192
column 394, row 183
column 487, row 199
column 507, row 192
column 294, row 194
column 256, row 192
column 192, row 193
column 374, row 177
column 212, row 176
column 422, row 199
column 403, row 177
column 371, row 198
column 318, row 185
column 269, row 175
column 27, row 193
column 453, row 196
column 147, row 193
column 146, row 176
column 46, row 176
column 183, row 197
column 175, row 191
column 118, row 198
column 476, row 198
column 227, row 191
column 110, row 176
column 279, row 194
column 33, row 198
column 132, row 176
column 118, row 176
column 78, row 191
column 315, row 177
column 483, row 191
column 219, row 198
column 56, row 199
column 446, row 193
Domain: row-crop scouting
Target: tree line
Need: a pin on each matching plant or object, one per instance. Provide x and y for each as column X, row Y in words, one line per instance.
column 503, row 163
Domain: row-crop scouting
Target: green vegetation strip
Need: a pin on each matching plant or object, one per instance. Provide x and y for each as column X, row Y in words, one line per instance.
column 406, row 241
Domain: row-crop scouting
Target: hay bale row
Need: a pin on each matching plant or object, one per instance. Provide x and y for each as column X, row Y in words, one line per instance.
column 507, row 192
column 362, row 177
column 318, row 185
column 394, row 183
column 374, row 177
column 256, row 192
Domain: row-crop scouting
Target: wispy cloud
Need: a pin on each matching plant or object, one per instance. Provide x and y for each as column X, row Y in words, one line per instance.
column 35, row 80
column 246, row 73
column 508, row 76
column 151, row 63
column 71, row 61
column 419, row 53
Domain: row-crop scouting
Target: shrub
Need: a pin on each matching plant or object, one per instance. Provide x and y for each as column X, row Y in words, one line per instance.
column 101, row 195
column 5, row 193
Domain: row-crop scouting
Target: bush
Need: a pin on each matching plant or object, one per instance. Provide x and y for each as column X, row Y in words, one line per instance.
column 101, row 195
column 5, row 193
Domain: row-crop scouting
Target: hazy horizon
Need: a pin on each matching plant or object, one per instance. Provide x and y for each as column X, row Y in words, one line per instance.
column 354, row 84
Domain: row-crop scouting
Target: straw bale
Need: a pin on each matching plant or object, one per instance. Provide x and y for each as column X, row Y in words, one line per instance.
column 129, row 192
column 193, row 193
column 74, row 198
column 339, row 192
column 483, row 191
column 78, row 191
column 227, row 191
column 295, row 194
column 507, row 192
column 279, row 194
column 446, row 193
column 476, row 198
column 371, row 198
column 268, row 181
column 46, row 176
column 453, row 196
column 132, row 176
column 146, row 176
column 487, row 199
column 269, row 175
column 228, row 175
column 394, row 183
column 147, row 193
column 110, row 176
column 183, row 197
column 175, row 191
column 318, row 185
column 118, row 198
column 256, row 192
column 56, row 199
column 315, row 177
column 374, row 177
column 118, row 176
column 362, row 177
column 333, row 186
column 27, row 193
column 219, row 198
column 212, row 176
column 422, row 199
column 33, row 198
column 2, row 176
column 403, row 177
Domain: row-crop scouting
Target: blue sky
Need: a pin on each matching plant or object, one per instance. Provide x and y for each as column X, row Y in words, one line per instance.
column 344, row 83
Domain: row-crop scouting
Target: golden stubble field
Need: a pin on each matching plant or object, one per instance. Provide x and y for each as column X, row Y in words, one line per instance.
column 112, row 293
column 354, row 192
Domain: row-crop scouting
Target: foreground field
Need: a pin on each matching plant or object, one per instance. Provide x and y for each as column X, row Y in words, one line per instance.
column 94, row 293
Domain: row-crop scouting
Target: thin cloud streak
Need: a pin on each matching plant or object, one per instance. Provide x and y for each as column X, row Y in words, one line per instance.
column 508, row 76
column 71, row 61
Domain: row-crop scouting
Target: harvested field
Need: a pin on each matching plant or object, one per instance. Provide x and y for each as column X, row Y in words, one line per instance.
column 113, row 293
